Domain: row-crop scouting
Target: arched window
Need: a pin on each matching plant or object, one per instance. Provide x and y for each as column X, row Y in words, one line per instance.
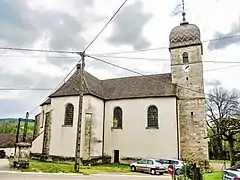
column 152, row 117
column 43, row 117
column 69, row 111
column 185, row 58
column 117, row 118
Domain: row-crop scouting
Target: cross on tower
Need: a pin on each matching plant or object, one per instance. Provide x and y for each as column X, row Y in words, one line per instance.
column 183, row 13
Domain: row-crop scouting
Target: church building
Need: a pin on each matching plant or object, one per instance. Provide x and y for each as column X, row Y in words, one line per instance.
column 152, row 116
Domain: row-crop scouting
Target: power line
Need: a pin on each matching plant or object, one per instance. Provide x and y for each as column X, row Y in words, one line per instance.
column 45, row 89
column 63, row 81
column 37, row 50
column 106, row 25
column 57, row 57
column 166, row 47
column 134, row 58
column 115, row 57
column 156, row 59
column 108, row 53
column 221, row 68
column 24, row 89
column 222, row 38
column 115, row 65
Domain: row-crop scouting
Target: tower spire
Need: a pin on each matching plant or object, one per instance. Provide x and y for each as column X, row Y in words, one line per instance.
column 183, row 13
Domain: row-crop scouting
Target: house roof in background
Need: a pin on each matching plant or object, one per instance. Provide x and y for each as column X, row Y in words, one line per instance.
column 8, row 140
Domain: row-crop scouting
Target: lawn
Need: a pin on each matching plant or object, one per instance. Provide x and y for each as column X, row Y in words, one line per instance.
column 213, row 176
column 48, row 167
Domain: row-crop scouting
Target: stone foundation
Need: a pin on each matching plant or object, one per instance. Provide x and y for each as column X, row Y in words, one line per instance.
column 71, row 160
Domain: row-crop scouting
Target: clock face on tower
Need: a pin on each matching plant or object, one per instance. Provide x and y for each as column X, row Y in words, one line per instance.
column 186, row 68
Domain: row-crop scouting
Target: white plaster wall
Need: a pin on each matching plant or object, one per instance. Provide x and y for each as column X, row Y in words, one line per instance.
column 37, row 144
column 134, row 140
column 9, row 151
column 63, row 139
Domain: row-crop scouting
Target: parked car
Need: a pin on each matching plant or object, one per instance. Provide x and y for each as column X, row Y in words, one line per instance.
column 152, row 166
column 232, row 173
column 2, row 154
column 177, row 164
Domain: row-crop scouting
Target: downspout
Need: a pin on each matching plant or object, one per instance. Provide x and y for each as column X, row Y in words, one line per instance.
column 104, row 102
column 178, row 131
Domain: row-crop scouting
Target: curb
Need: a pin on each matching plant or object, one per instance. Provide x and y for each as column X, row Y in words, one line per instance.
column 72, row 174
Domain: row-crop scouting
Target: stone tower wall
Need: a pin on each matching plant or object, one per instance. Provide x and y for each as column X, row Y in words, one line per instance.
column 191, row 103
column 47, row 136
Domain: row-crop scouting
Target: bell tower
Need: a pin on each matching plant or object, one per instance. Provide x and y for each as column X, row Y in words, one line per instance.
column 187, row 72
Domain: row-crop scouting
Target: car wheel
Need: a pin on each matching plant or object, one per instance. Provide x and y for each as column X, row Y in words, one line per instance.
column 133, row 168
column 178, row 171
column 153, row 171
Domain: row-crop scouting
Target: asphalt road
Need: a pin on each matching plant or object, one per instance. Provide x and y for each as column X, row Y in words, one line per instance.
column 6, row 174
column 36, row 176
column 4, row 165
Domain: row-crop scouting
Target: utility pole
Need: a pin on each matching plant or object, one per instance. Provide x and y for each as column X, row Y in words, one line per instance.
column 80, row 69
column 25, row 127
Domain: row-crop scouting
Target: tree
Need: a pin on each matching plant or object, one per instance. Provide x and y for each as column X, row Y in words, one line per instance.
column 223, row 117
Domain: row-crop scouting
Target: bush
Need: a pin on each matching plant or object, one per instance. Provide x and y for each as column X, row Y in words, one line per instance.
column 189, row 169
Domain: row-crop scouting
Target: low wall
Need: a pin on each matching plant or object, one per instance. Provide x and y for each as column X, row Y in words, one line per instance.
column 70, row 160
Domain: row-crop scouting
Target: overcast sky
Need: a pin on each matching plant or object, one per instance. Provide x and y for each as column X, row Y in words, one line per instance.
column 72, row 24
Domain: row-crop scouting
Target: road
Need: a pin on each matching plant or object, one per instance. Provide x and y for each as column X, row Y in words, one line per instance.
column 6, row 174
column 4, row 165
column 37, row 176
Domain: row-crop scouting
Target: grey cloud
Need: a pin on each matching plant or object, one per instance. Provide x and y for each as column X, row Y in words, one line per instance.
column 226, row 39
column 18, row 107
column 128, row 27
column 21, row 26
column 16, row 28
column 213, row 83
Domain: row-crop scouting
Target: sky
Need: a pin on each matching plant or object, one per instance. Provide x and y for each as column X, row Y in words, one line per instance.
column 70, row 25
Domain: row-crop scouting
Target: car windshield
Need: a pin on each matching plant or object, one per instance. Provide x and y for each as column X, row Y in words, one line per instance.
column 159, row 161
column 235, row 168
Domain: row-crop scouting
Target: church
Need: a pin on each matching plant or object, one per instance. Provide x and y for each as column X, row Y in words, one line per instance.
column 152, row 116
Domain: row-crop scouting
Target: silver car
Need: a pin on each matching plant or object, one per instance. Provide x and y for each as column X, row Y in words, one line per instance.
column 152, row 166
column 232, row 173
column 177, row 164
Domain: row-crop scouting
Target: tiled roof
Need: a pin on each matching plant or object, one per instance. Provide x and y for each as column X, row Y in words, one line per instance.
column 120, row 88
column 139, row 86
column 8, row 140
column 185, row 34
column 92, row 85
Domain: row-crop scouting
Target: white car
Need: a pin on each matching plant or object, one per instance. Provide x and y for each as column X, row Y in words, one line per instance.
column 232, row 173
column 152, row 166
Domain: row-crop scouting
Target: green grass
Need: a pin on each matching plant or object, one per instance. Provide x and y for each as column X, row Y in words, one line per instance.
column 48, row 167
column 213, row 176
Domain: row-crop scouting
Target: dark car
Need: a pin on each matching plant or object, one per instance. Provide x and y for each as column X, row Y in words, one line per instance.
column 2, row 154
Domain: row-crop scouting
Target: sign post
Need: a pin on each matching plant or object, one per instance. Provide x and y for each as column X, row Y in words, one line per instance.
column 171, row 171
